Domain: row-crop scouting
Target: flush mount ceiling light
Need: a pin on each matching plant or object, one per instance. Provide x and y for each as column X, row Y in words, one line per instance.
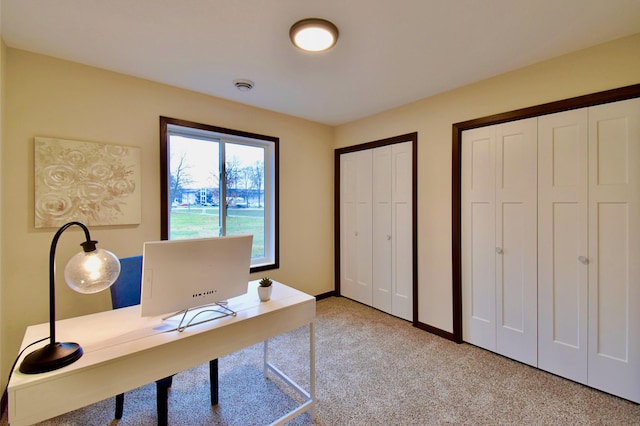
column 313, row 34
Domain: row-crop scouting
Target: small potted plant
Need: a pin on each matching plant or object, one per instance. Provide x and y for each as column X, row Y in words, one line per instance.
column 264, row 289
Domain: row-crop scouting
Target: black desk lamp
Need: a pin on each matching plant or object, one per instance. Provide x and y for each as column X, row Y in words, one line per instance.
column 89, row 271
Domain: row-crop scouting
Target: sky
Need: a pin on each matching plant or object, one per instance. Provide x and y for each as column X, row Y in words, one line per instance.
column 203, row 157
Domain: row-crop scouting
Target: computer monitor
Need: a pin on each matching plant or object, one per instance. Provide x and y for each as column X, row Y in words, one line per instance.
column 184, row 274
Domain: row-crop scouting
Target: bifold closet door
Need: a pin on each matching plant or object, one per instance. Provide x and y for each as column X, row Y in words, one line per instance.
column 392, row 230
column 499, row 238
column 562, row 241
column 376, row 228
column 402, row 230
column 614, row 248
column 382, row 229
column 356, row 221
column 478, row 237
column 516, row 240
column 585, row 248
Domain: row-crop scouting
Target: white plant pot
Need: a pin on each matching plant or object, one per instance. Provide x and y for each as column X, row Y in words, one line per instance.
column 265, row 293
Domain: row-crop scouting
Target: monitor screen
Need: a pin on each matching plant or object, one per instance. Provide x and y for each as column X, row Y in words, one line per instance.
column 183, row 274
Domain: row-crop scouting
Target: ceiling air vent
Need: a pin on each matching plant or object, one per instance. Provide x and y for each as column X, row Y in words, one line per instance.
column 243, row 85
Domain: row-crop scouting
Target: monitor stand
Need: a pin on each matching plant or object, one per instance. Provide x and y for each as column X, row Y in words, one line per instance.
column 219, row 308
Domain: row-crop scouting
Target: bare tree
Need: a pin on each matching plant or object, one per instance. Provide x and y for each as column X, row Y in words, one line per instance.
column 232, row 176
column 214, row 177
column 257, row 176
column 180, row 178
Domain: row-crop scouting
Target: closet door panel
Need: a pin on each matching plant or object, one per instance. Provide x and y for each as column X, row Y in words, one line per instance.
column 614, row 248
column 402, row 235
column 613, row 284
column 356, row 217
column 516, row 236
column 512, row 303
column 348, row 228
column 567, row 293
column 478, row 237
column 482, row 268
column 382, row 220
column 363, row 286
column 562, row 243
column 402, row 264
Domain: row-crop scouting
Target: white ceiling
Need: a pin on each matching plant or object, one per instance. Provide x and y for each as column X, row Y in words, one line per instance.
column 390, row 52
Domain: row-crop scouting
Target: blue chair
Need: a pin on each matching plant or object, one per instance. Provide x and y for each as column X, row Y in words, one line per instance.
column 126, row 292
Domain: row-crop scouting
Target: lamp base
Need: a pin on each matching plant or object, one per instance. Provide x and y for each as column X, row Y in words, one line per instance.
column 51, row 357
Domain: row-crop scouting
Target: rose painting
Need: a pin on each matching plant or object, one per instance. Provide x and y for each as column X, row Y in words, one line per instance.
column 94, row 183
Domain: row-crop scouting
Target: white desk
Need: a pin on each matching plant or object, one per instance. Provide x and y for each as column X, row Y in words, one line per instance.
column 123, row 351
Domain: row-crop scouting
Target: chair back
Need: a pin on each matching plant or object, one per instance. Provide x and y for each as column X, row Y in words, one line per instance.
column 127, row 288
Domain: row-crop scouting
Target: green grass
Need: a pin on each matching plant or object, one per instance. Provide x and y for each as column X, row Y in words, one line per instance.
column 202, row 222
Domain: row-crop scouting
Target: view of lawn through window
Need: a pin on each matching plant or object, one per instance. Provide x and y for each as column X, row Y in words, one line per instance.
column 220, row 185
column 197, row 190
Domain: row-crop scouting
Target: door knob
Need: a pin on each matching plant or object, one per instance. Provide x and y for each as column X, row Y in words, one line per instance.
column 583, row 260
column 499, row 250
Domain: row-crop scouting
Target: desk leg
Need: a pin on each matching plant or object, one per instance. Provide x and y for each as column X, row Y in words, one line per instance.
column 265, row 365
column 162, row 403
column 310, row 397
column 312, row 368
column 119, row 405
column 213, row 380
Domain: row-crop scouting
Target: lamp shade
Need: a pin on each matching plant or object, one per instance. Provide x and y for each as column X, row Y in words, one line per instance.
column 91, row 272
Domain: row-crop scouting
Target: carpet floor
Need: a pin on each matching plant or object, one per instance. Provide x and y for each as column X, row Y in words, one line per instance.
column 371, row 369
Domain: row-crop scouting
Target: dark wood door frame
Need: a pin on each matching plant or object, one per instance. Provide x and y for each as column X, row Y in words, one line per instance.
column 599, row 98
column 409, row 137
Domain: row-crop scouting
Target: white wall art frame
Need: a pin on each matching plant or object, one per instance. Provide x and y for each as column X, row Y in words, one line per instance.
column 94, row 183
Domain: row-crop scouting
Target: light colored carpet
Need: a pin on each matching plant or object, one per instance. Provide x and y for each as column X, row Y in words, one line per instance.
column 372, row 369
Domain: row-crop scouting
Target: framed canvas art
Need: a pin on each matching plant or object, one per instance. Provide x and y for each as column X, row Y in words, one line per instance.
column 89, row 182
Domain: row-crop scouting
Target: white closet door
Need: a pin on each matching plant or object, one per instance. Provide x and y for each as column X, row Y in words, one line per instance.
column 516, row 240
column 614, row 248
column 392, row 230
column 356, row 217
column 478, row 237
column 348, row 225
column 381, row 235
column 376, row 228
column 562, row 244
column 402, row 232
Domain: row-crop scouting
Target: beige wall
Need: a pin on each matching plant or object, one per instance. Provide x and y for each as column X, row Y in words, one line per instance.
column 607, row 66
column 3, row 49
column 55, row 98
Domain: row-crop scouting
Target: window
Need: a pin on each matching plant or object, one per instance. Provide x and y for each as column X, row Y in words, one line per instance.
column 216, row 182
